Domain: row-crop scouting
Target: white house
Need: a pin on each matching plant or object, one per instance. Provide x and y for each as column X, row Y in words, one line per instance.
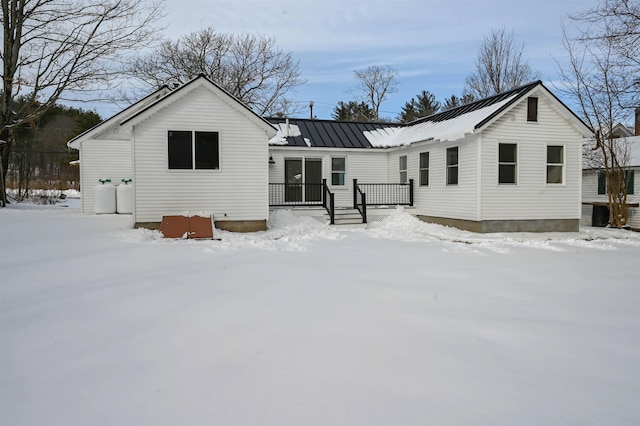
column 511, row 162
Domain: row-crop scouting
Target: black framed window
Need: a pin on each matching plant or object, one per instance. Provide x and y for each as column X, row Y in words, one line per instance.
column 180, row 149
column 532, row 109
column 507, row 163
column 452, row 166
column 424, row 169
column 207, row 152
column 189, row 150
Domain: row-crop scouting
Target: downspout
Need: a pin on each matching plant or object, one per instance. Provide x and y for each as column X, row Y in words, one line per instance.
column 479, row 180
column 83, row 185
column 133, row 176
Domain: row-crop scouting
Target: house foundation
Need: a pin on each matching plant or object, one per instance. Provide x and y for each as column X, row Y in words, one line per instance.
column 488, row 226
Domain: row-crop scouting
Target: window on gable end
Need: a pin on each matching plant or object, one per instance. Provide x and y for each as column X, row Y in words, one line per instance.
column 532, row 109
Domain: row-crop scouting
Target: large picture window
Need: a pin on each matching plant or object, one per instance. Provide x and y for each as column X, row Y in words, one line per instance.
column 555, row 163
column 424, row 169
column 189, row 150
column 338, row 170
column 507, row 163
column 402, row 168
column 452, row 166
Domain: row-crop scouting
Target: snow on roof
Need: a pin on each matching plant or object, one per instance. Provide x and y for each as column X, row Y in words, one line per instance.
column 284, row 131
column 447, row 130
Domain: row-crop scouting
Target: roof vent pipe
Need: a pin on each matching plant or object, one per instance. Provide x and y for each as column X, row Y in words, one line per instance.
column 286, row 132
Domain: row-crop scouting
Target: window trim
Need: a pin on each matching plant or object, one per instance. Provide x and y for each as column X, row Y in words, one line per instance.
column 452, row 166
column 505, row 163
column 193, row 152
column 344, row 172
column 422, row 169
column 562, row 164
column 405, row 170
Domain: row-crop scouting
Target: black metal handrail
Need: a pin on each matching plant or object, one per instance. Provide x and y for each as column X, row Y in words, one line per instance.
column 360, row 201
column 385, row 194
column 302, row 195
column 295, row 194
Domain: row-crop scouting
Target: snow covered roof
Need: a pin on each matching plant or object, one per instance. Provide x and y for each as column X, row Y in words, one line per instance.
column 449, row 125
column 433, row 128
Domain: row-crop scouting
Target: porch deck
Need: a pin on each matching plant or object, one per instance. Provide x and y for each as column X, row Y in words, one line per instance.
column 371, row 201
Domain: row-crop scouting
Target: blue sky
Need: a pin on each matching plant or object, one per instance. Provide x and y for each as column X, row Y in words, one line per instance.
column 432, row 43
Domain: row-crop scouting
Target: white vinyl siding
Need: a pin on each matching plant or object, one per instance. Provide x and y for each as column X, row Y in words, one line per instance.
column 532, row 198
column 102, row 159
column 368, row 166
column 237, row 191
column 439, row 199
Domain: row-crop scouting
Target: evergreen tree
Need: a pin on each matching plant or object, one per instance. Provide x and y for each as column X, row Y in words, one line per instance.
column 353, row 111
column 454, row 101
column 423, row 105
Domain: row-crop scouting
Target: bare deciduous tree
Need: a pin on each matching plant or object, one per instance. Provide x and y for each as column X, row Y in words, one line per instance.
column 499, row 66
column 64, row 48
column 375, row 83
column 602, row 79
column 250, row 67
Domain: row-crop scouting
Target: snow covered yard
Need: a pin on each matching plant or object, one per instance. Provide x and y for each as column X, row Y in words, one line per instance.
column 405, row 323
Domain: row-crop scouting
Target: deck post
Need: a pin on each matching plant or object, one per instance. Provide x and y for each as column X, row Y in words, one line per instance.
column 364, row 208
column 355, row 193
column 411, row 192
column 332, row 212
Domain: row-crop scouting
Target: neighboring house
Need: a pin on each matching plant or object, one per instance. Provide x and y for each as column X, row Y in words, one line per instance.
column 594, row 187
column 511, row 162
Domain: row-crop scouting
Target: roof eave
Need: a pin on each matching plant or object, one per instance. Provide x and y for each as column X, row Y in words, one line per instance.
column 115, row 119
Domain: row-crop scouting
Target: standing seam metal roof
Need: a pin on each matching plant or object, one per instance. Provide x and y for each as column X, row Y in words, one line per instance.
column 331, row 134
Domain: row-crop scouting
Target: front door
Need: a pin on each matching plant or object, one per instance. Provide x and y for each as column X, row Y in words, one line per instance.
column 313, row 180
column 303, row 180
column 293, row 180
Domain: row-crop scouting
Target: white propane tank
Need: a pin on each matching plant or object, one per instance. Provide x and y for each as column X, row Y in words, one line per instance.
column 105, row 193
column 124, row 196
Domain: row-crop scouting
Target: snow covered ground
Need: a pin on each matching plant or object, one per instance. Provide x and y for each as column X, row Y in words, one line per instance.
column 405, row 323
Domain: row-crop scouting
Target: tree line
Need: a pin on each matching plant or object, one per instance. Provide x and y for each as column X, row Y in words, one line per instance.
column 40, row 158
